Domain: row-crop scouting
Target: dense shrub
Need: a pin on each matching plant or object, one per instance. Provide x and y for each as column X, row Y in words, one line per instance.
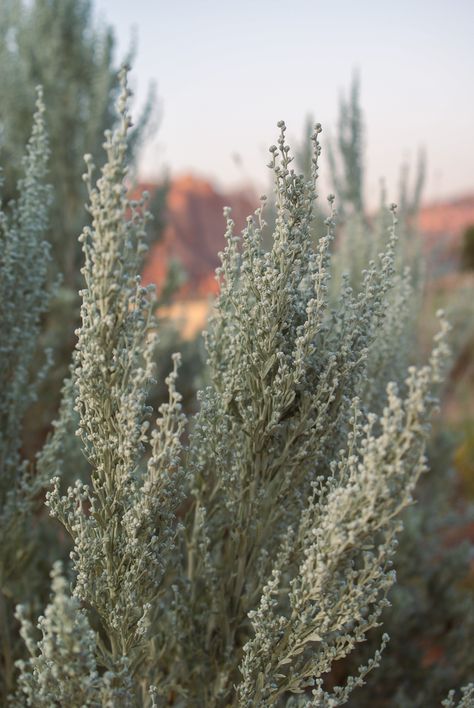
column 242, row 567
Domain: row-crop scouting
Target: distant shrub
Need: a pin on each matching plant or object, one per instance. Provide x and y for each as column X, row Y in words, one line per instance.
column 467, row 249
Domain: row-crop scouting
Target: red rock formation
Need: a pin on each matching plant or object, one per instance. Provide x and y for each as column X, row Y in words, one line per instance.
column 442, row 225
column 451, row 216
column 194, row 233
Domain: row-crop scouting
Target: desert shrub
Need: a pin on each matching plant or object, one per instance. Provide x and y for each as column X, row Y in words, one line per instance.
column 242, row 567
column 59, row 45
column 24, row 294
column 430, row 644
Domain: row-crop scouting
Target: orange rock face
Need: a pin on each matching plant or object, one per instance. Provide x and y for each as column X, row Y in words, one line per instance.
column 451, row 216
column 194, row 233
column 442, row 225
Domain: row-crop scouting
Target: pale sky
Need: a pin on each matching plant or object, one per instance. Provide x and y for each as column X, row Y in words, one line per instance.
column 226, row 72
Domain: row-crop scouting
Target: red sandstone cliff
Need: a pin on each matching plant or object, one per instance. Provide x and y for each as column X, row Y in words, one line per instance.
column 447, row 216
column 442, row 225
column 194, row 233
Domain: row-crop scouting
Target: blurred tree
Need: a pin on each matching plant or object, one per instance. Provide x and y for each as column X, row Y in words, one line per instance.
column 467, row 250
column 303, row 153
column 346, row 157
column 57, row 44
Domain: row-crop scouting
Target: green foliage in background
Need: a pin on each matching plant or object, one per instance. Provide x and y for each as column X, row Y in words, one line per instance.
column 346, row 158
column 430, row 597
column 24, row 295
column 467, row 252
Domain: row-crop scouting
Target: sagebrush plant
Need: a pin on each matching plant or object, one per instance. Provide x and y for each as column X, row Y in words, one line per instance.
column 60, row 45
column 22, row 230
column 24, row 296
column 240, row 567
column 431, row 615
column 123, row 525
column 281, row 450
column 65, row 47
column 430, row 645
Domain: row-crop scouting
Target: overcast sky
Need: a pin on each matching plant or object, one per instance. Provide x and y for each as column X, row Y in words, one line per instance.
column 226, row 72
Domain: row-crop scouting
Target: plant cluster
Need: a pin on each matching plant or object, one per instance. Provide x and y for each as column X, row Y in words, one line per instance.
column 236, row 558
column 59, row 45
column 24, row 262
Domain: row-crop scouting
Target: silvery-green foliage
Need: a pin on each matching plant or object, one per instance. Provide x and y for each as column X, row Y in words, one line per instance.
column 50, row 460
column 24, row 262
column 64, row 46
column 392, row 352
column 431, row 615
column 410, row 249
column 283, row 561
column 361, row 238
column 466, row 700
column 61, row 669
column 358, row 245
column 123, row 522
column 429, row 600
column 361, row 235
column 58, row 44
column 296, row 491
column 345, row 541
